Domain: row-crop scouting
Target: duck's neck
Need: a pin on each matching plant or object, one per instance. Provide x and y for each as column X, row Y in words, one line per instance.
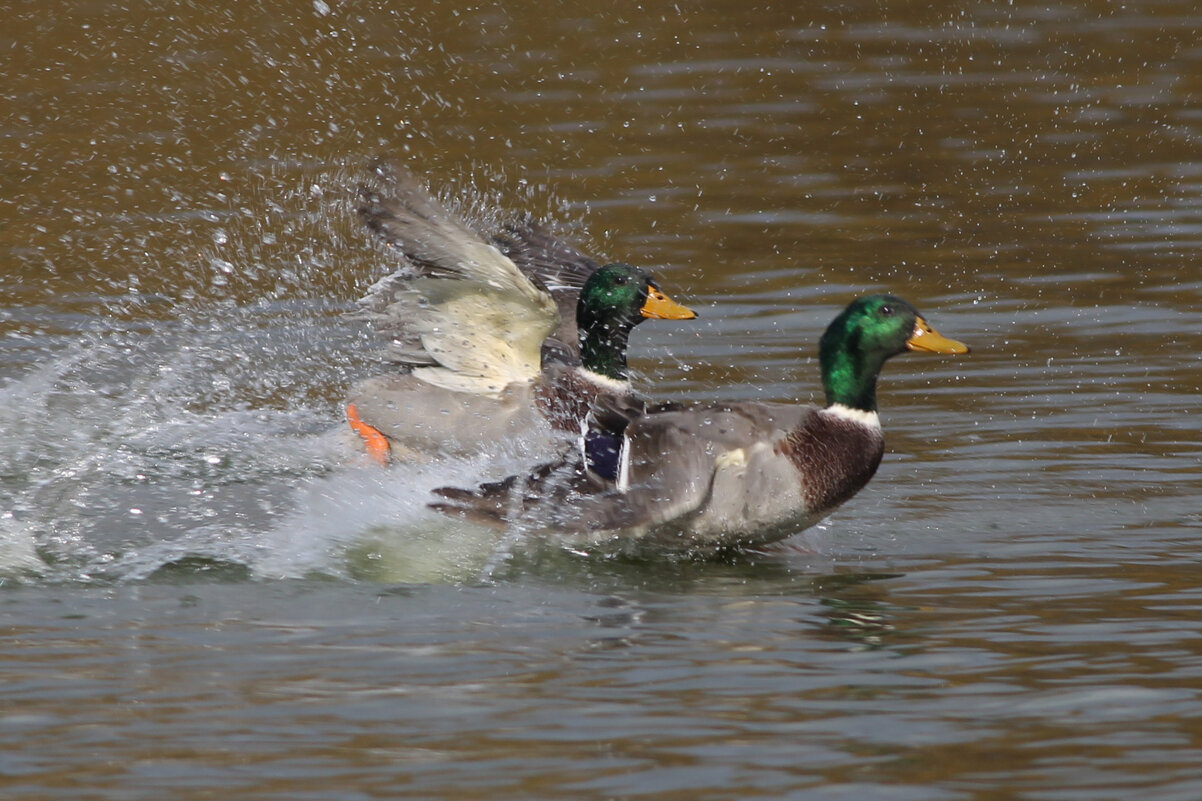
column 603, row 347
column 849, row 375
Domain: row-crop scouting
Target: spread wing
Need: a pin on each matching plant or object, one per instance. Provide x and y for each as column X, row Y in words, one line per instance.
column 559, row 267
column 464, row 316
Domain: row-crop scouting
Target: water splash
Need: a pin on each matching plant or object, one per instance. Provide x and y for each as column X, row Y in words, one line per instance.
column 220, row 439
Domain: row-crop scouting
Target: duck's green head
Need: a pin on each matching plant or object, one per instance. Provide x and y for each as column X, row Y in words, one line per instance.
column 869, row 331
column 613, row 300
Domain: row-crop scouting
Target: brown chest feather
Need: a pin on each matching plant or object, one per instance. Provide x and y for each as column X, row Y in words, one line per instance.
column 835, row 457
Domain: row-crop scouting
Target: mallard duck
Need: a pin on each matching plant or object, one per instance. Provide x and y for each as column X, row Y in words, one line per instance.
column 708, row 477
column 483, row 346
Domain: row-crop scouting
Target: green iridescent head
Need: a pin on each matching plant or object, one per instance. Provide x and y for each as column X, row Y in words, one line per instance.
column 856, row 344
column 615, row 299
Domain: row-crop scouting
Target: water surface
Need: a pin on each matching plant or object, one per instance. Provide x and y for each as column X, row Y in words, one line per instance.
column 205, row 597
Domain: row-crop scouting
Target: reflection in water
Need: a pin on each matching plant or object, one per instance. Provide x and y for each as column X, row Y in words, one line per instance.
column 856, row 608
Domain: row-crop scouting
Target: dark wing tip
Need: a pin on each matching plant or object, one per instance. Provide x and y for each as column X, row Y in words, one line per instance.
column 468, row 513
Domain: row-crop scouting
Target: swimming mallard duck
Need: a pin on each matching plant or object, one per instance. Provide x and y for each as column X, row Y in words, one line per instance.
column 707, row 477
column 483, row 345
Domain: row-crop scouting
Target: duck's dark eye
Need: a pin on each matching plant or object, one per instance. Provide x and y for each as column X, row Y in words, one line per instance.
column 621, row 280
column 887, row 311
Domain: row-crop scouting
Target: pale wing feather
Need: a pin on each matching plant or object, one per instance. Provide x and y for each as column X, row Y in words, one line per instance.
column 471, row 320
column 409, row 217
column 558, row 266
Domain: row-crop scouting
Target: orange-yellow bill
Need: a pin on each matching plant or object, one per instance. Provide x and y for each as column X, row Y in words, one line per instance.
column 928, row 339
column 661, row 307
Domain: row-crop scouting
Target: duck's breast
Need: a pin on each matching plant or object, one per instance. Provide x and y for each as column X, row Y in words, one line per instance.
column 834, row 453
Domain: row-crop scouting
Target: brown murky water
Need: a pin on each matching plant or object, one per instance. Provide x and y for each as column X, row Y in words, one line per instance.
column 201, row 600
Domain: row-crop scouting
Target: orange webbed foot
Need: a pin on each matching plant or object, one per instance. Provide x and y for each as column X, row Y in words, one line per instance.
column 373, row 439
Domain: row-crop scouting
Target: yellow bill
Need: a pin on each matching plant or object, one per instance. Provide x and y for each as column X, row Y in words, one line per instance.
column 929, row 340
column 661, row 307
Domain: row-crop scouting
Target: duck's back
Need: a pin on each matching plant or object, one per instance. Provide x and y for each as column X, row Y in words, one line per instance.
column 744, row 470
column 423, row 420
